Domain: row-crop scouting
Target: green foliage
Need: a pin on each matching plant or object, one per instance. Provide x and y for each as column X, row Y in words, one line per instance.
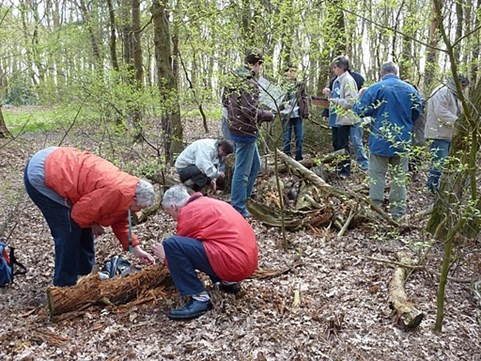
column 21, row 93
column 37, row 119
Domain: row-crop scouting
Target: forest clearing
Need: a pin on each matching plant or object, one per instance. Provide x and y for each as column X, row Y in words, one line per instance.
column 354, row 262
column 331, row 304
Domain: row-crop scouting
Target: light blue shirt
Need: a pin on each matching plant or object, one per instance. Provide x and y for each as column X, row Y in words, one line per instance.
column 36, row 176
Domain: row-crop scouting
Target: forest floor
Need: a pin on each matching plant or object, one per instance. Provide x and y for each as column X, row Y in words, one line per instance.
column 343, row 313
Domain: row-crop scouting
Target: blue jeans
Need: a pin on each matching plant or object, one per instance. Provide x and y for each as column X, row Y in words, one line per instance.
column 298, row 125
column 247, row 167
column 185, row 255
column 439, row 153
column 356, row 140
column 74, row 246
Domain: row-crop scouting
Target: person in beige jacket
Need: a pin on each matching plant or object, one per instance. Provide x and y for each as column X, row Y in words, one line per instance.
column 443, row 109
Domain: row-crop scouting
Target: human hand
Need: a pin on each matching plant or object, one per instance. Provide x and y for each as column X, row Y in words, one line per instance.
column 221, row 175
column 97, row 229
column 326, row 91
column 143, row 256
column 213, row 183
column 158, row 249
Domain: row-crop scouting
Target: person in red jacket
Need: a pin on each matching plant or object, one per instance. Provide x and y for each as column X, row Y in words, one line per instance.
column 211, row 237
column 79, row 194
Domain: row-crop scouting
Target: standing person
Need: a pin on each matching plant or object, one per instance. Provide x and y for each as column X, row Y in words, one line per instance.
column 394, row 105
column 341, row 99
column 443, row 109
column 79, row 194
column 418, row 140
column 211, row 237
column 355, row 132
column 200, row 163
column 295, row 109
column 241, row 98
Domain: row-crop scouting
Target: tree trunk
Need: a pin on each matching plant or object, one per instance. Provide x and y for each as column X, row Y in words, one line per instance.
column 4, row 133
column 167, row 81
column 113, row 37
column 92, row 290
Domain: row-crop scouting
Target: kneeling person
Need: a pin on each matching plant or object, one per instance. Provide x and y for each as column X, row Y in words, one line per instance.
column 212, row 237
column 201, row 163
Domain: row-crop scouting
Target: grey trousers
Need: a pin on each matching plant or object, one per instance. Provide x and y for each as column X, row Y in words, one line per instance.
column 398, row 168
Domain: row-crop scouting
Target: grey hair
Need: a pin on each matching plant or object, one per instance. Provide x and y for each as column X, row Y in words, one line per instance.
column 144, row 194
column 175, row 196
column 389, row 68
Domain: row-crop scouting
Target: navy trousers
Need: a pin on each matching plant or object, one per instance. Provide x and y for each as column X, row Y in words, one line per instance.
column 184, row 256
column 74, row 246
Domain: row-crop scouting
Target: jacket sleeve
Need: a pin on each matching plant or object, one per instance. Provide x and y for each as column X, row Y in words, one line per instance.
column 365, row 105
column 121, row 231
column 99, row 204
column 304, row 103
column 92, row 206
column 203, row 161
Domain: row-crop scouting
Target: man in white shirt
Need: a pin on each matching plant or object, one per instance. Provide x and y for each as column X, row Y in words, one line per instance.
column 201, row 162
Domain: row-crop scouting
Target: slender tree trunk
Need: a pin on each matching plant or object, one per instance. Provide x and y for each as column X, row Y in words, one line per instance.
column 113, row 37
column 432, row 54
column 4, row 133
column 167, row 81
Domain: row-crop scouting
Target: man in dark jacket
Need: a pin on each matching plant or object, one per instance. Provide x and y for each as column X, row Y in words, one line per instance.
column 241, row 99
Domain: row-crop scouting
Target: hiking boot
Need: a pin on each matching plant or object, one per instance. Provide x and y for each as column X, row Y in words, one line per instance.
column 191, row 310
column 232, row 288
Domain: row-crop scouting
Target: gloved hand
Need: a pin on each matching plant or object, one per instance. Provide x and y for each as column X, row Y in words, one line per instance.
column 143, row 256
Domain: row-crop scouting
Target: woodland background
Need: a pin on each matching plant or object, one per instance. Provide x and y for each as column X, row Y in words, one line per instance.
column 135, row 81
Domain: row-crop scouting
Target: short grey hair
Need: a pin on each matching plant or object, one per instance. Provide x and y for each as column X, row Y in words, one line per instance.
column 389, row 67
column 144, row 194
column 175, row 196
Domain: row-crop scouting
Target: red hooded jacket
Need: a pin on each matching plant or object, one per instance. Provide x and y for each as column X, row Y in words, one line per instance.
column 229, row 240
column 98, row 191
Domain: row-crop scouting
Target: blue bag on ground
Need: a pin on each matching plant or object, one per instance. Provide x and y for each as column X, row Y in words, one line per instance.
column 7, row 264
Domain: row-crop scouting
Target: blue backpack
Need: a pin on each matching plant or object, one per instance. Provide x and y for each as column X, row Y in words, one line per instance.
column 7, row 263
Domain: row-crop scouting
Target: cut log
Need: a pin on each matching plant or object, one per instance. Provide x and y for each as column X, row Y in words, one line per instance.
column 407, row 314
column 91, row 290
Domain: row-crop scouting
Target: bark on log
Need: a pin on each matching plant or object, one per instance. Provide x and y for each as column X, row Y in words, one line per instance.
column 91, row 290
column 407, row 313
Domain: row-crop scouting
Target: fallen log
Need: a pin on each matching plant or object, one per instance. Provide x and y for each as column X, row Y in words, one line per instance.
column 91, row 290
column 327, row 189
column 406, row 312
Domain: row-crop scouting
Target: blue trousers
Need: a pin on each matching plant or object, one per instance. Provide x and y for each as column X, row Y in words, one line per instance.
column 356, row 140
column 298, row 125
column 247, row 167
column 184, row 256
column 340, row 140
column 439, row 153
column 74, row 246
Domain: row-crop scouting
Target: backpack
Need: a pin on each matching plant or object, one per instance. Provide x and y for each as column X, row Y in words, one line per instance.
column 7, row 263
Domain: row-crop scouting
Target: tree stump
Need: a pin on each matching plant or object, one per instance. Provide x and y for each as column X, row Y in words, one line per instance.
column 91, row 290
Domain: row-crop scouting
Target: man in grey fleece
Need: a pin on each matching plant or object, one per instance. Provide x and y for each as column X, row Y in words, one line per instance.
column 201, row 162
